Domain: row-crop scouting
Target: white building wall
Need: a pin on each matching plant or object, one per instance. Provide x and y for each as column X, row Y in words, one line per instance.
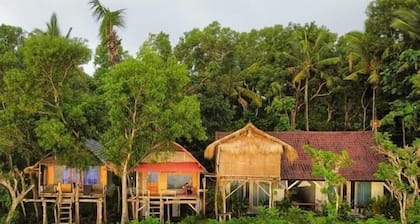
column 377, row 189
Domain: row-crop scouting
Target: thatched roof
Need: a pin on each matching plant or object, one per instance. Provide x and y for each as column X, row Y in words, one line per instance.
column 250, row 140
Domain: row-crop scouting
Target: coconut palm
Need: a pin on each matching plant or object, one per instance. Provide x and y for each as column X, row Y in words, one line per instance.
column 364, row 59
column 408, row 21
column 53, row 29
column 109, row 20
column 308, row 57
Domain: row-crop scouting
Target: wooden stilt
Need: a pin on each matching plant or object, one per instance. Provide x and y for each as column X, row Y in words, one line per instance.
column 161, row 214
column 204, row 196
column 98, row 211
column 216, row 212
column 270, row 196
column 77, row 205
column 44, row 212
column 104, row 212
column 223, row 198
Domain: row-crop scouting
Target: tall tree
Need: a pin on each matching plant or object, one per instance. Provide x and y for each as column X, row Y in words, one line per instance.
column 53, row 87
column 309, row 56
column 401, row 171
column 147, row 106
column 327, row 164
column 364, row 58
column 17, row 148
column 109, row 21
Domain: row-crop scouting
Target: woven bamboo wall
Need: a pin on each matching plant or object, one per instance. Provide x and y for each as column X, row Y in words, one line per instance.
column 249, row 164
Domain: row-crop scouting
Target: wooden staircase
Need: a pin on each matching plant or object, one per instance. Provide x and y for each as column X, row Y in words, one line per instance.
column 155, row 207
column 63, row 211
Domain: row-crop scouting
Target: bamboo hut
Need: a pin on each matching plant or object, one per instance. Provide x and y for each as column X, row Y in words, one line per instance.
column 248, row 165
column 165, row 181
column 66, row 187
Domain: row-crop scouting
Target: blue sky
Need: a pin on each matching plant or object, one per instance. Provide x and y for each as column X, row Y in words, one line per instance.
column 178, row 16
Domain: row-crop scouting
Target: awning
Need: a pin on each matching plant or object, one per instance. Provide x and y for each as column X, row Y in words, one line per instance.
column 169, row 167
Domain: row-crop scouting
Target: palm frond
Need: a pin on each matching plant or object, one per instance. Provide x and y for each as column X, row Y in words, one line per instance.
column 353, row 76
column 329, row 61
column 373, row 77
column 408, row 21
column 52, row 26
column 302, row 74
column 98, row 9
column 253, row 96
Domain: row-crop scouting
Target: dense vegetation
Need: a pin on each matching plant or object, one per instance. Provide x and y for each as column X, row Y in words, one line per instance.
column 300, row 76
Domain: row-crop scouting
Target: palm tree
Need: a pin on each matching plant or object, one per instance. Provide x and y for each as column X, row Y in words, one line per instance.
column 308, row 57
column 109, row 20
column 364, row 59
column 53, row 29
column 408, row 21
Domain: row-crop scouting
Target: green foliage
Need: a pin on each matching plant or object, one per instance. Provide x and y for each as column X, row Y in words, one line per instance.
column 148, row 220
column 326, row 164
column 413, row 213
column 400, row 172
column 385, row 206
column 52, row 134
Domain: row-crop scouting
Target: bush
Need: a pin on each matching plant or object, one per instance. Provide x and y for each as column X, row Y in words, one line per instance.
column 377, row 219
column 148, row 220
column 413, row 213
column 386, row 206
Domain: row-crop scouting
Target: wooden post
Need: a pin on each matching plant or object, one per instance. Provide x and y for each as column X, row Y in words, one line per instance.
column 216, row 212
column 136, row 216
column 204, row 196
column 161, row 212
column 270, row 196
column 224, row 198
column 44, row 211
column 77, row 205
column 99, row 211
column 104, row 212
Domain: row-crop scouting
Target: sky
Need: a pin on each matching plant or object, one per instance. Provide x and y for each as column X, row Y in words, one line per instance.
column 178, row 16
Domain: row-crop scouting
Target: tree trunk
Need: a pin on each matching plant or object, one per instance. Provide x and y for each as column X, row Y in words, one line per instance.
column 364, row 108
column 12, row 209
column 293, row 115
column 403, row 132
column 124, row 211
column 403, row 208
column 374, row 108
column 337, row 200
column 306, row 105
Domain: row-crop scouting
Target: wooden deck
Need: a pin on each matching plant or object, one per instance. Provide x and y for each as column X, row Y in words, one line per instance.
column 60, row 194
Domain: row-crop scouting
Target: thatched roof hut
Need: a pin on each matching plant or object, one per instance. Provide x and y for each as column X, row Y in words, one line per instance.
column 250, row 140
column 249, row 152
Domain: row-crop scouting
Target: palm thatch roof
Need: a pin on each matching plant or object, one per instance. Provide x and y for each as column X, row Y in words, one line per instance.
column 250, row 140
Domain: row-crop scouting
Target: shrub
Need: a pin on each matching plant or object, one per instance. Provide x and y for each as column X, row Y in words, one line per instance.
column 413, row 213
column 386, row 206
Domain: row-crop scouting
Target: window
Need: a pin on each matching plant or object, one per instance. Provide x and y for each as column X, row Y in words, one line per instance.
column 65, row 175
column 176, row 181
column 363, row 193
column 153, row 177
column 91, row 175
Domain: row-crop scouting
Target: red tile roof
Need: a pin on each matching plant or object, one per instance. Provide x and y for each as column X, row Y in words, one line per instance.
column 357, row 143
